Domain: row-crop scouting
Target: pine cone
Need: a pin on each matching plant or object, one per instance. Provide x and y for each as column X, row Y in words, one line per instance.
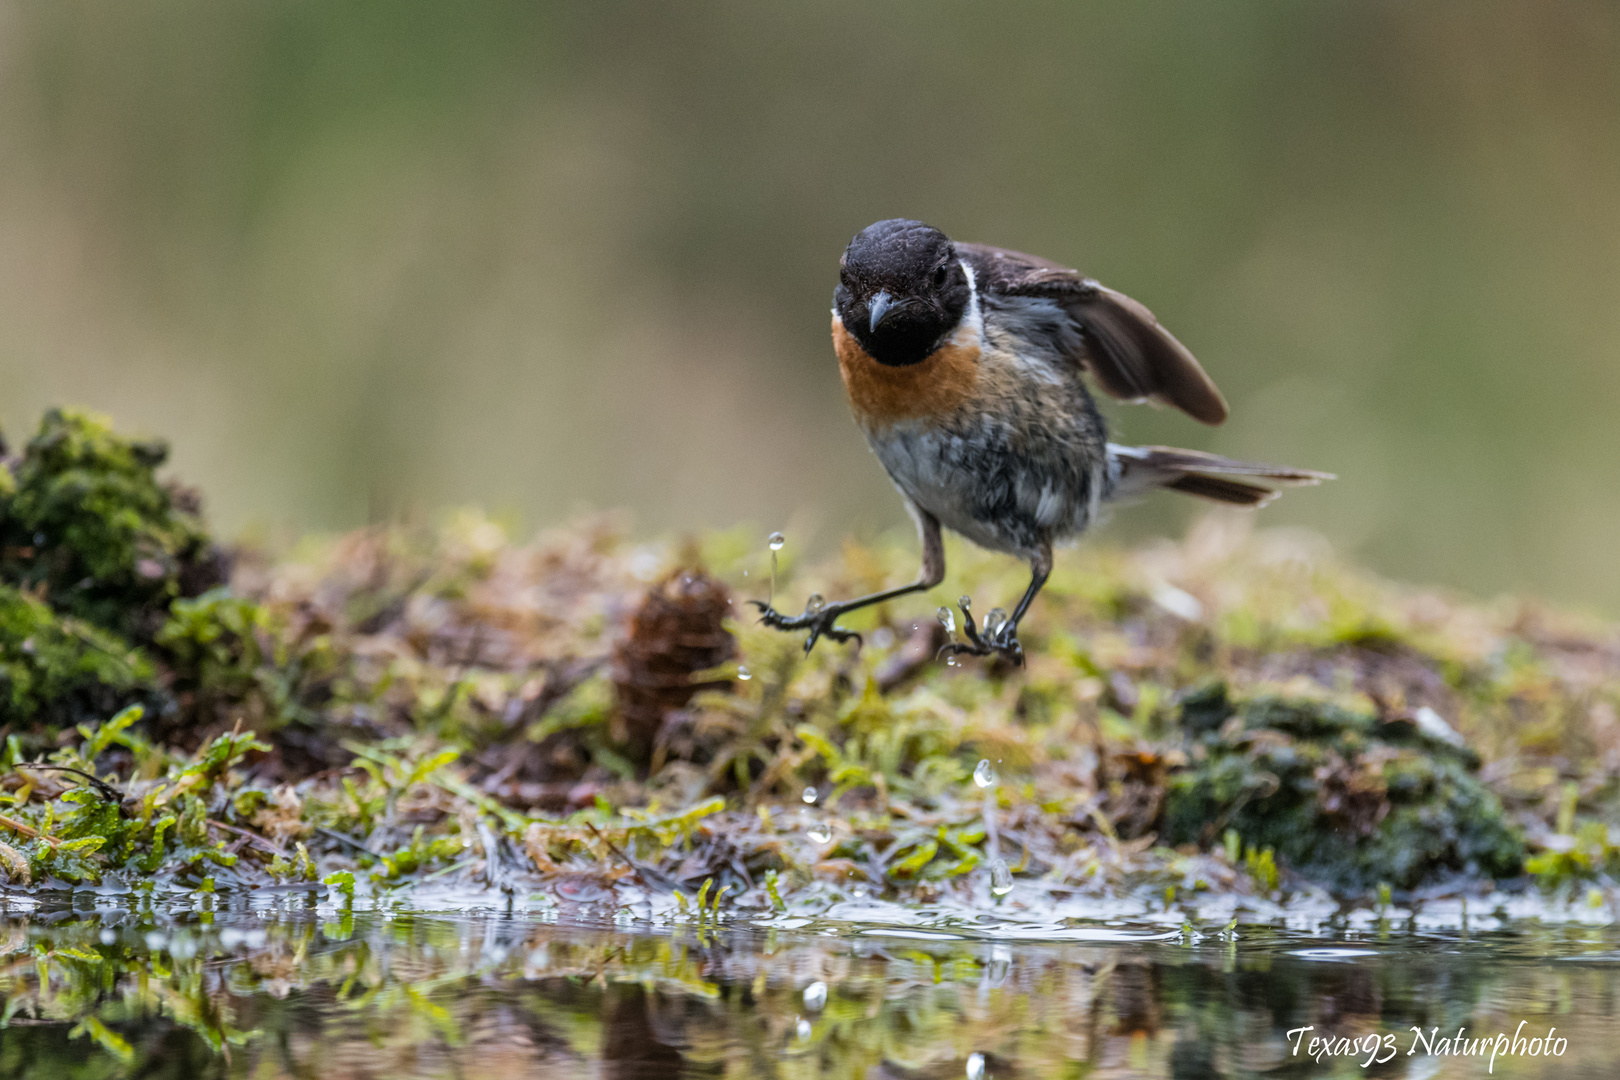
column 677, row 632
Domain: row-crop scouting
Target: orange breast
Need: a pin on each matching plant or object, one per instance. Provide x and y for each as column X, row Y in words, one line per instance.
column 880, row 395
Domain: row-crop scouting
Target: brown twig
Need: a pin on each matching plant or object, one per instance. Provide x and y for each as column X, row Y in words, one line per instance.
column 649, row 877
column 104, row 789
column 24, row 829
column 252, row 837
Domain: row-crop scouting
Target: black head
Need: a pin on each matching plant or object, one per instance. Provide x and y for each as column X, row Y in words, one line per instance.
column 901, row 290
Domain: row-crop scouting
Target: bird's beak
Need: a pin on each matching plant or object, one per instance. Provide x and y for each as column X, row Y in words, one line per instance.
column 879, row 306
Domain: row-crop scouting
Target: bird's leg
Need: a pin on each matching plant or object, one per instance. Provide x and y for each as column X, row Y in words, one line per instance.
column 820, row 621
column 1003, row 637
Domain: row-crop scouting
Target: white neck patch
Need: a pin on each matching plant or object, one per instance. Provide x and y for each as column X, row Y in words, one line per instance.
column 972, row 325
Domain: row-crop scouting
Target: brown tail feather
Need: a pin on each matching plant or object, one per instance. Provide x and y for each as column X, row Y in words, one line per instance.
column 1141, row 468
column 1222, row 490
column 1171, row 458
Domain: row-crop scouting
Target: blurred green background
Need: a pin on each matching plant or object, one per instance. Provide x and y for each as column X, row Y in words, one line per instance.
column 359, row 260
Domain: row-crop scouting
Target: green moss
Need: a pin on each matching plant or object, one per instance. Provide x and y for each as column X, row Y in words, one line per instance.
column 57, row 671
column 99, row 562
column 85, row 522
column 1338, row 795
column 1590, row 856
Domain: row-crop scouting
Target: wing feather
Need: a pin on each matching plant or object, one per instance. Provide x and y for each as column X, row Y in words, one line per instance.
column 1127, row 351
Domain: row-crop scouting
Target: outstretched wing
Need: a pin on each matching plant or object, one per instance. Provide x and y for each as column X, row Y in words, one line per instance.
column 1128, row 352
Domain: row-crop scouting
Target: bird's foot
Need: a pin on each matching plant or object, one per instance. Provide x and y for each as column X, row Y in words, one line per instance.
column 819, row 618
column 1000, row 636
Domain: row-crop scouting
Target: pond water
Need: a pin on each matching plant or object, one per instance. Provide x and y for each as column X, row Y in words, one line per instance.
column 283, row 986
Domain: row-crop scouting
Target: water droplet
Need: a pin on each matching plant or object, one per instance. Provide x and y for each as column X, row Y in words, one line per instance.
column 975, row 1067
column 815, row 996
column 964, row 602
column 950, row 661
column 776, row 540
column 820, row 834
column 810, row 795
column 815, row 603
column 743, row 673
column 994, row 619
column 984, row 774
column 803, row 1029
column 947, row 620
column 1001, row 882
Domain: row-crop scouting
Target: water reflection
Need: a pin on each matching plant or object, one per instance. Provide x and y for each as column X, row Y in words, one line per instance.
column 315, row 992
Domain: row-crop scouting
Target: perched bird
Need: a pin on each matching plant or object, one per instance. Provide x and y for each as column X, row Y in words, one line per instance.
column 963, row 365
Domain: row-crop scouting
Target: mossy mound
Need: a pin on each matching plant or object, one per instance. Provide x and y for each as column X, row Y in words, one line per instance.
column 1345, row 798
column 86, row 525
column 94, row 550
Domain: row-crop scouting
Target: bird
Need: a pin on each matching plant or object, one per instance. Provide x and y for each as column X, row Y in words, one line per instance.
column 966, row 368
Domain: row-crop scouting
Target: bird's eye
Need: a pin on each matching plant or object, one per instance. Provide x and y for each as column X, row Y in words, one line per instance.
column 940, row 275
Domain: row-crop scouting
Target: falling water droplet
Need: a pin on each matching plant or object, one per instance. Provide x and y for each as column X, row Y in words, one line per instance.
column 815, row 603
column 950, row 661
column 984, row 774
column 775, row 542
column 1001, row 882
column 820, row 834
column 947, row 620
column 803, row 1029
column 810, row 795
column 815, row 996
column 743, row 673
column 975, row 1067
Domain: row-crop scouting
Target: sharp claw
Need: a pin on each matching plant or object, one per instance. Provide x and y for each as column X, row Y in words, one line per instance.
column 820, row 624
column 1005, row 642
column 970, row 629
column 1001, row 640
column 958, row 648
column 769, row 615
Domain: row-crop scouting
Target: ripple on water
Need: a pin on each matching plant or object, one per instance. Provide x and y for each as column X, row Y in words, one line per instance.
column 907, row 935
column 1333, row 954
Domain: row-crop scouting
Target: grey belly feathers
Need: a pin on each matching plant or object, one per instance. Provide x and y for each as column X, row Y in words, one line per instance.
column 1026, row 464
